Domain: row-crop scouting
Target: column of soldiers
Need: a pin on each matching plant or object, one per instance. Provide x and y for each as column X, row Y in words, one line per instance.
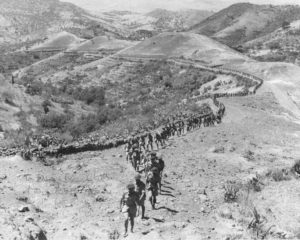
column 134, row 199
column 138, row 147
column 141, row 155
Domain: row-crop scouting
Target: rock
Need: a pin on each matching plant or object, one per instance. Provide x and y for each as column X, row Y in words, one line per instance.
column 180, row 225
column 217, row 149
column 100, row 199
column 32, row 231
column 146, row 223
column 203, row 198
column 22, row 198
column 225, row 213
column 23, row 209
column 29, row 219
column 232, row 149
column 3, row 177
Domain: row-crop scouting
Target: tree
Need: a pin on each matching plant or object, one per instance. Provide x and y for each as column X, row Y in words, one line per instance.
column 286, row 25
column 46, row 104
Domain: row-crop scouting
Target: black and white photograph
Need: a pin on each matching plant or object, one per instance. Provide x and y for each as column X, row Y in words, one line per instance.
column 149, row 119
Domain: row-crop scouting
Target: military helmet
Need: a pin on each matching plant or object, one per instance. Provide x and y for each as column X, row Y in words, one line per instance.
column 130, row 186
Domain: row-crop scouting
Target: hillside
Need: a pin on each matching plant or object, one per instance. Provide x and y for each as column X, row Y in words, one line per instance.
column 102, row 43
column 26, row 21
column 253, row 149
column 178, row 20
column 141, row 26
column 60, row 41
column 186, row 45
column 139, row 84
column 243, row 22
column 281, row 45
column 230, row 179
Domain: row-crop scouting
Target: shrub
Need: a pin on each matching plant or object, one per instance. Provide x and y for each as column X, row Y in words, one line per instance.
column 218, row 84
column 278, row 175
column 254, row 184
column 249, row 155
column 36, row 57
column 90, row 95
column 8, row 98
column 168, row 84
column 258, row 225
column 54, row 120
column 35, row 88
column 231, row 190
column 274, row 45
column 194, row 107
column 92, row 122
column 148, row 109
column 285, row 25
column 296, row 167
column 46, row 104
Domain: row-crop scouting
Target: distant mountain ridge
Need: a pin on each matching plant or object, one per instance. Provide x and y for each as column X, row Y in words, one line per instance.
column 181, row 20
column 26, row 20
column 243, row 22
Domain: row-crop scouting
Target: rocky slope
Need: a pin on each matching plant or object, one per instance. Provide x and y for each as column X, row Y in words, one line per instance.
column 178, row 20
column 243, row 22
column 281, row 45
column 26, row 20
column 79, row 197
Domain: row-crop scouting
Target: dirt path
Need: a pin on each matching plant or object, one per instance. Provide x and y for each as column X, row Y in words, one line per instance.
column 79, row 198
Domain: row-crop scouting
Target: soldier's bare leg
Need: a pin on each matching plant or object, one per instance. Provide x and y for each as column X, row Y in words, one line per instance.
column 126, row 224
column 132, row 223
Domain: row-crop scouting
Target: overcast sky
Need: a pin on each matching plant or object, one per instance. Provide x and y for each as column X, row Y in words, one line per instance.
column 148, row 5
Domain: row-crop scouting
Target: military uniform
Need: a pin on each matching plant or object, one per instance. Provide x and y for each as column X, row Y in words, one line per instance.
column 140, row 188
column 129, row 204
column 152, row 187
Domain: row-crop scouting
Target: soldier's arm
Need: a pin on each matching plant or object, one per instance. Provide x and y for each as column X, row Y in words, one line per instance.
column 143, row 194
column 121, row 202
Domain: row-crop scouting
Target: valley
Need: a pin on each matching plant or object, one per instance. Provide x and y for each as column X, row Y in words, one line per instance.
column 77, row 86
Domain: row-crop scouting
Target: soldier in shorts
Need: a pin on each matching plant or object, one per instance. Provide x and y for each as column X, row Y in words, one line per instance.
column 128, row 206
column 160, row 165
column 152, row 182
column 128, row 151
column 150, row 141
column 140, row 188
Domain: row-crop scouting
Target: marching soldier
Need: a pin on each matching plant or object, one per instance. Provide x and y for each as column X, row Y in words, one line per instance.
column 140, row 188
column 152, row 182
column 129, row 207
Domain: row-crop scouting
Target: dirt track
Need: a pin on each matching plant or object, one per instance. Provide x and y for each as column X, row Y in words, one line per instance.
column 62, row 199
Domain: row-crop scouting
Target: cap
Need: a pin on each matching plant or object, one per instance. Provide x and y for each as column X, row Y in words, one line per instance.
column 130, row 186
column 153, row 153
column 138, row 177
